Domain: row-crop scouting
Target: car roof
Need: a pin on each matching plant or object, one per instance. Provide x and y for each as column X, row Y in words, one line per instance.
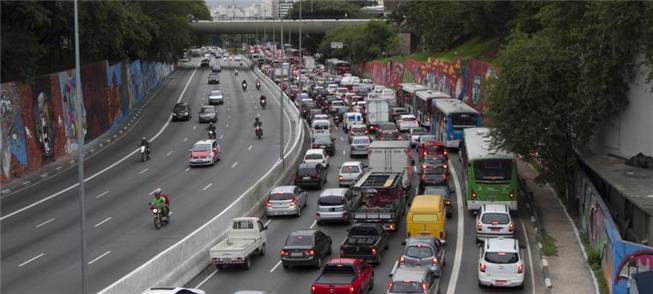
column 303, row 233
column 315, row 151
column 207, row 141
column 283, row 189
column 427, row 240
column 361, row 137
column 208, row 107
column 501, row 244
column 413, row 274
column 334, row 192
column 352, row 163
column 496, row 208
column 308, row 165
column 172, row 290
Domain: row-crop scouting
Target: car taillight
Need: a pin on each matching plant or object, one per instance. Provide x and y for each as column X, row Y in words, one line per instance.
column 446, row 166
column 374, row 251
column 447, row 202
column 284, row 253
column 445, row 152
column 510, row 227
column 312, row 289
column 402, row 260
column 435, row 260
column 389, row 285
column 310, row 252
column 423, row 166
column 268, row 203
column 520, row 268
column 512, row 195
column 423, row 177
column 441, row 235
column 473, row 195
column 424, row 287
column 479, row 227
column 340, row 178
column 293, row 201
column 351, row 290
column 482, row 267
column 342, row 252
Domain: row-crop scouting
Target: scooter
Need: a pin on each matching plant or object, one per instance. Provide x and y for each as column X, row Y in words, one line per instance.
column 259, row 132
column 258, row 86
column 145, row 154
column 211, row 134
column 159, row 218
column 263, row 102
column 244, row 86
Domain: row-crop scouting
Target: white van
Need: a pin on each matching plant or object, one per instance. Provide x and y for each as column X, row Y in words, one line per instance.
column 321, row 126
column 352, row 118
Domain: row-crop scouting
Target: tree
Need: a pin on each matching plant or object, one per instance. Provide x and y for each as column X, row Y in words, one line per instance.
column 363, row 42
column 325, row 9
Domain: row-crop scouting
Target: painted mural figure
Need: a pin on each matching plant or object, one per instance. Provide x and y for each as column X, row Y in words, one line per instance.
column 43, row 125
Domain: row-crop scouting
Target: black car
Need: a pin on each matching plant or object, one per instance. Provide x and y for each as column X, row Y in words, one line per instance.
column 216, row 68
column 433, row 177
column 305, row 247
column 388, row 136
column 214, row 78
column 181, row 111
column 324, row 141
column 310, row 175
column 435, row 162
column 208, row 113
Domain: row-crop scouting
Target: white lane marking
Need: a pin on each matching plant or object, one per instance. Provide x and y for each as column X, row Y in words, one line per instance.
column 99, row 257
column 102, row 222
column 207, row 186
column 268, row 222
column 221, row 137
column 144, row 171
column 207, row 278
column 185, row 139
column 530, row 256
column 227, row 125
column 152, row 192
column 31, row 259
column 194, row 128
column 228, row 116
column 453, row 279
column 343, row 152
column 44, row 223
column 233, row 165
column 394, row 268
column 102, row 194
column 187, row 169
column 415, row 168
column 416, row 190
column 341, row 139
column 313, row 224
column 168, row 154
column 250, row 147
column 276, row 266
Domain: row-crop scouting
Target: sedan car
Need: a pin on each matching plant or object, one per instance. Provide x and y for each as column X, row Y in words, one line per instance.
column 357, row 130
column 324, row 141
column 305, row 247
column 173, row 290
column 349, row 173
column 204, row 152
column 286, row 200
column 395, row 112
column 216, row 97
column 435, row 163
column 214, row 78
column 432, row 179
column 311, row 175
column 500, row 263
column 388, row 136
column 216, row 68
column 424, row 251
column 359, row 146
column 208, row 113
column 406, row 122
column 431, row 149
column 181, row 111
column 317, row 156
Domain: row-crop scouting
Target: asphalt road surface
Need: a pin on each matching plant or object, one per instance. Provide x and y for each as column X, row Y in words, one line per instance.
column 40, row 225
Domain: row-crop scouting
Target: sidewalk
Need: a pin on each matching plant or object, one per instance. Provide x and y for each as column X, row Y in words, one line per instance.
column 569, row 272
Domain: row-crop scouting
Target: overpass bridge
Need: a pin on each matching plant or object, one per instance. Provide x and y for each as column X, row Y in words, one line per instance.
column 252, row 26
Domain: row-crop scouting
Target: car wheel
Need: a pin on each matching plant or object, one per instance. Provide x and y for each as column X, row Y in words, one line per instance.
column 248, row 263
column 219, row 266
column 521, row 286
column 261, row 250
column 285, row 266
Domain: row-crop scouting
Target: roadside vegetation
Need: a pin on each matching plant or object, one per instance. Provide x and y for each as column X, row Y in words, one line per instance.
column 360, row 43
column 549, row 247
column 594, row 260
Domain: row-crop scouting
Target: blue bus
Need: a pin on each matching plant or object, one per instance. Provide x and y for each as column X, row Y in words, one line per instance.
column 450, row 117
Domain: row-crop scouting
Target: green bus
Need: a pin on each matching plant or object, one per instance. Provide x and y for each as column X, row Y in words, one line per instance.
column 490, row 175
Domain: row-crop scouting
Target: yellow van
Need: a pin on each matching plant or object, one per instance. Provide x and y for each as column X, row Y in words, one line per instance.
column 426, row 217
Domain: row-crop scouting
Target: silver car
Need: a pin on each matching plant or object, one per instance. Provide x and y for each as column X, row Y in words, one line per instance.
column 415, row 133
column 500, row 263
column 286, row 200
column 424, row 251
column 413, row 280
column 334, row 205
column 359, row 146
column 349, row 172
column 216, row 97
column 208, row 113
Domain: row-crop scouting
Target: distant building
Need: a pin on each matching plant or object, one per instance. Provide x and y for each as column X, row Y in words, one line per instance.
column 280, row 8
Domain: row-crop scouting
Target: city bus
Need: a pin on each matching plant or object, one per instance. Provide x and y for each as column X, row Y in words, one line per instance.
column 490, row 175
column 423, row 105
column 338, row 67
column 406, row 94
column 450, row 117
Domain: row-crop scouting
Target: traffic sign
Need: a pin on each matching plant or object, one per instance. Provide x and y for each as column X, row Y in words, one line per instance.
column 336, row 45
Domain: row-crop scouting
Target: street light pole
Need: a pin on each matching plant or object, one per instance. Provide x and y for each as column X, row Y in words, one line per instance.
column 80, row 145
column 301, row 60
column 283, row 163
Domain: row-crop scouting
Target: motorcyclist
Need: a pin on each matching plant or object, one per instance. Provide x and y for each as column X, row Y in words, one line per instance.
column 211, row 127
column 258, row 83
column 147, row 145
column 244, row 85
column 257, row 122
column 236, row 71
column 160, row 201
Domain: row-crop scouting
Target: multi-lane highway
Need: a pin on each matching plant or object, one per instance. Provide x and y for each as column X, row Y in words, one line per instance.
column 40, row 224
column 460, row 274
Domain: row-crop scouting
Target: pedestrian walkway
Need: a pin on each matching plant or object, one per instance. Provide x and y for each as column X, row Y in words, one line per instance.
column 569, row 271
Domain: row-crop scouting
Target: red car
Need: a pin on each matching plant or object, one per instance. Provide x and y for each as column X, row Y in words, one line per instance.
column 433, row 148
column 344, row 276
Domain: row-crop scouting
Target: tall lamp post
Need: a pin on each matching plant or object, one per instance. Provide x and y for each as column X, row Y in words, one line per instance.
column 283, row 163
column 301, row 59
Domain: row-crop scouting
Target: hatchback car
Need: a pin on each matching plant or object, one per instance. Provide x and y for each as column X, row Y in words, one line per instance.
column 214, row 78
column 204, row 152
column 415, row 133
column 387, row 127
column 208, row 113
column 305, row 247
column 216, row 97
column 357, row 130
column 173, row 290
column 317, row 156
column 349, row 173
column 500, row 263
column 425, row 139
column 360, row 145
column 492, row 221
column 324, row 141
column 181, row 111
column 406, row 122
column 435, row 163
column 216, row 68
column 432, row 179
column 441, row 191
column 286, row 200
column 432, row 148
column 311, row 175
column 395, row 112
column 412, row 280
column 424, row 251
column 388, row 136
column 334, row 204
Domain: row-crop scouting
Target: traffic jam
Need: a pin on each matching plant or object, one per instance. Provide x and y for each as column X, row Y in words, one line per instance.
column 393, row 177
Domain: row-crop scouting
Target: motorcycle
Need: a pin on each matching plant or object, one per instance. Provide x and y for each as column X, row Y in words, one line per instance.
column 145, row 153
column 259, row 132
column 244, row 86
column 258, row 85
column 263, row 102
column 211, row 134
column 336, row 120
column 159, row 218
column 236, row 72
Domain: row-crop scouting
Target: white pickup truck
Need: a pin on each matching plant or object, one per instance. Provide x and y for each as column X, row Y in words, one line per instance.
column 245, row 239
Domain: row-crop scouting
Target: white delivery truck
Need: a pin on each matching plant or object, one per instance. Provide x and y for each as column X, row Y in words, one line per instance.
column 245, row 239
column 378, row 111
column 392, row 156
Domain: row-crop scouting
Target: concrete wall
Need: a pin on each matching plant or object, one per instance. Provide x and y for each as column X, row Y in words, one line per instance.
column 631, row 131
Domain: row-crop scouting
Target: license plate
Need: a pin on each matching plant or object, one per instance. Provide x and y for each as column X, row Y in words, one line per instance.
column 495, row 229
column 296, row 254
column 500, row 282
column 322, row 146
column 306, row 178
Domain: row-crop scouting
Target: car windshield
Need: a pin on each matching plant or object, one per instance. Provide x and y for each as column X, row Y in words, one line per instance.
column 460, row 120
column 435, row 149
column 180, row 107
column 419, row 131
column 357, row 129
column 495, row 218
column 427, row 138
column 216, row 93
column 408, row 118
column 299, row 240
column 280, row 196
column 419, row 251
column 306, row 171
column 314, row 156
column 501, row 257
column 493, row 169
column 435, row 190
column 201, row 147
column 360, row 141
column 406, row 287
column 350, row 169
column 331, row 200
column 435, row 160
column 208, row 110
column 322, row 139
column 387, row 127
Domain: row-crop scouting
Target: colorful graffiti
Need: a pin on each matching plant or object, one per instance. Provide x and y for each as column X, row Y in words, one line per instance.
column 462, row 79
column 39, row 121
column 620, row 259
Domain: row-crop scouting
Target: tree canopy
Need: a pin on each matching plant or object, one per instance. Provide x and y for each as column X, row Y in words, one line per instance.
column 324, row 9
column 363, row 42
column 38, row 36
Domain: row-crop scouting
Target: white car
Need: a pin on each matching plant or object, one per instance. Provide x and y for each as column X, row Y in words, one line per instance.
column 349, row 172
column 238, row 58
column 493, row 221
column 331, row 88
column 500, row 263
column 216, row 97
column 407, row 122
column 173, row 290
column 317, row 156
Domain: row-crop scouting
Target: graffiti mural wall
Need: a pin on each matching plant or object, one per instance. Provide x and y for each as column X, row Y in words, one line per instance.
column 620, row 259
column 462, row 79
column 39, row 120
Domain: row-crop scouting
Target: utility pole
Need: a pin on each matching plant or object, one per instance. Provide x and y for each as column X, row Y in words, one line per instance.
column 301, row 60
column 283, row 163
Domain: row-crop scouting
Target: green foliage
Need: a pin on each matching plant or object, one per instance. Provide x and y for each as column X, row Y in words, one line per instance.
column 325, row 9
column 364, row 42
column 559, row 84
column 549, row 247
column 38, row 36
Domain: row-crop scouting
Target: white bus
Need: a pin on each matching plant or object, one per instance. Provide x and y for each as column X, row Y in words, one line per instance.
column 450, row 117
column 423, row 105
column 406, row 94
